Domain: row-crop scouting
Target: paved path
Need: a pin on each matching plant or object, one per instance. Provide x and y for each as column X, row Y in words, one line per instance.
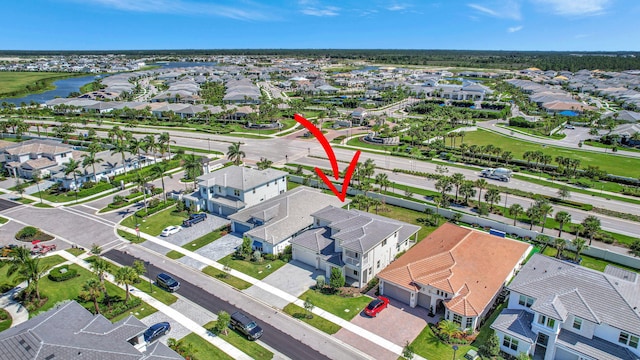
column 18, row 313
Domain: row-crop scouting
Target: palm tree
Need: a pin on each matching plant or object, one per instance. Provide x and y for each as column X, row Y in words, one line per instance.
column 235, row 154
column 577, row 229
column 100, row 267
column 481, row 184
column 121, row 148
column 264, row 163
column 192, row 167
column 27, row 268
column 457, row 179
column 126, row 276
column 559, row 244
column 164, row 140
column 562, row 217
column 591, row 226
column 467, row 190
column 135, row 146
column 444, row 185
column 91, row 291
column 449, row 329
column 90, row 159
column 159, row 170
column 71, row 167
column 515, row 210
column 492, row 196
column 375, row 202
column 151, row 146
column 580, row 245
column 533, row 213
column 382, row 180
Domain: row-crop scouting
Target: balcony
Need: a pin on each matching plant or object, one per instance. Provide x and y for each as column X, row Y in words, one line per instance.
column 355, row 261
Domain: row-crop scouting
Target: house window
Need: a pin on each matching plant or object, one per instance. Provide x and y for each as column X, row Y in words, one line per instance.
column 384, row 242
column 254, row 191
column 469, row 323
column 525, row 301
column 370, row 270
column 510, row 342
column 378, row 264
column 267, row 184
column 577, row 323
column 236, row 192
column 355, row 272
column 628, row 339
column 548, row 322
column 457, row 319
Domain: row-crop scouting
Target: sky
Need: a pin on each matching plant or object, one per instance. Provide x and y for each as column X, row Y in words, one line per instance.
column 557, row 25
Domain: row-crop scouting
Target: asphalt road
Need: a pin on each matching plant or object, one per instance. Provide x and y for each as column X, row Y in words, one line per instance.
column 275, row 338
column 6, row 204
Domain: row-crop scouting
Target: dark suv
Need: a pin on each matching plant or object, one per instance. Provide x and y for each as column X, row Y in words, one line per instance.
column 194, row 219
column 245, row 325
column 165, row 281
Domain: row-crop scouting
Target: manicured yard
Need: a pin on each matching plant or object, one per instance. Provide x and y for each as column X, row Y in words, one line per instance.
column 49, row 261
column 429, row 346
column 133, row 238
column 485, row 331
column 409, row 216
column 252, row 268
column 206, row 239
column 75, row 251
column 154, row 224
column 204, row 350
column 613, row 164
column 587, row 261
column 3, row 220
column 5, row 320
column 226, row 278
column 316, row 321
column 238, row 340
column 344, row 307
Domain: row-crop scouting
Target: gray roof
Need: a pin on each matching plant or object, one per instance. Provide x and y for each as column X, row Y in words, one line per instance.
column 515, row 323
column 361, row 231
column 70, row 330
column 240, row 177
column 285, row 214
column 560, row 288
column 594, row 348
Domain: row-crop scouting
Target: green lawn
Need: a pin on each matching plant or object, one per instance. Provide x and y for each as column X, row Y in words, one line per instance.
column 48, row 261
column 3, row 220
column 361, row 143
column 429, row 346
column 587, row 261
column 204, row 350
column 238, row 340
column 24, row 200
column 206, row 239
column 5, row 320
column 409, row 216
column 251, row 268
column 226, row 278
column 133, row 238
column 485, row 331
column 613, row 164
column 154, row 224
column 316, row 321
column 75, row 251
column 344, row 307
column 174, row 255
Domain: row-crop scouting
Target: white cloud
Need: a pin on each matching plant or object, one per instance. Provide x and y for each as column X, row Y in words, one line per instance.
column 515, row 29
column 182, row 7
column 576, row 7
column 326, row 11
column 397, row 7
column 509, row 9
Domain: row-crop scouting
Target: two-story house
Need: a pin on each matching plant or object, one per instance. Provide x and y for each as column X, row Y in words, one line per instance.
column 560, row 310
column 359, row 243
column 273, row 223
column 228, row 190
column 455, row 272
column 23, row 159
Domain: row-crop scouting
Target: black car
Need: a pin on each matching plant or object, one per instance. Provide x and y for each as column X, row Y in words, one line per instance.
column 194, row 219
column 155, row 331
column 165, row 281
column 245, row 325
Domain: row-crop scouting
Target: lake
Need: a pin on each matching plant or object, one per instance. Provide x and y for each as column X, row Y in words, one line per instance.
column 63, row 88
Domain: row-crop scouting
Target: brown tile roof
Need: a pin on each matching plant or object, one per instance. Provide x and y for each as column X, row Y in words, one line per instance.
column 472, row 264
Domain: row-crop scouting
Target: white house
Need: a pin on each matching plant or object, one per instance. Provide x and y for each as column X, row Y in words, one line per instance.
column 359, row 243
column 455, row 272
column 273, row 223
column 23, row 158
column 233, row 188
column 559, row 310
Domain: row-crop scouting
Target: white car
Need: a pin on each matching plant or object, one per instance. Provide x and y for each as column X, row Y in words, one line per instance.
column 170, row 230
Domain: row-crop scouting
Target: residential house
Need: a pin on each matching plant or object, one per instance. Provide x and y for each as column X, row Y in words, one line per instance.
column 22, row 159
column 228, row 190
column 70, row 331
column 273, row 223
column 560, row 310
column 455, row 272
column 359, row 115
column 358, row 243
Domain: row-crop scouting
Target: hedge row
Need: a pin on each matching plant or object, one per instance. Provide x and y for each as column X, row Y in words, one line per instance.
column 152, row 210
column 58, row 275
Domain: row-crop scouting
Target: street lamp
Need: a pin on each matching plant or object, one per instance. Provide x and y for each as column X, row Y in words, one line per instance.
column 455, row 348
column 146, row 265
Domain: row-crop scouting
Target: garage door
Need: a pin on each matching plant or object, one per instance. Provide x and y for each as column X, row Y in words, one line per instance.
column 424, row 300
column 240, row 228
column 397, row 293
column 305, row 257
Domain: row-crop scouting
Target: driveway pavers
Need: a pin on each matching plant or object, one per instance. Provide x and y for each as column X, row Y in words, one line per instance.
column 294, row 278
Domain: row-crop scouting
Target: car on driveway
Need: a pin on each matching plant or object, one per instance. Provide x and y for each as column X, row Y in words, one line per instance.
column 194, row 219
column 376, row 305
column 170, row 230
column 154, row 332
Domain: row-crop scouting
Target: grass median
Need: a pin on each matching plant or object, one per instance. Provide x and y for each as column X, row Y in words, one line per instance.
column 226, row 278
column 316, row 321
column 251, row 348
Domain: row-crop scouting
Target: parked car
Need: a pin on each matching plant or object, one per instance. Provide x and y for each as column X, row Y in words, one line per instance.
column 376, row 306
column 568, row 126
column 170, row 230
column 245, row 325
column 156, row 331
column 194, row 219
column 165, row 281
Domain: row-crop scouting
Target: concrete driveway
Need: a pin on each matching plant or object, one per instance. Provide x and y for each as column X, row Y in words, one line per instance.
column 294, row 278
column 187, row 234
column 214, row 251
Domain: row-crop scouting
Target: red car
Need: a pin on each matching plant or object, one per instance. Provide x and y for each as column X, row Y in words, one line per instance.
column 377, row 305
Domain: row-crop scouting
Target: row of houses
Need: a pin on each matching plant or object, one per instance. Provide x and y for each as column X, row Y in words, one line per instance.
column 551, row 100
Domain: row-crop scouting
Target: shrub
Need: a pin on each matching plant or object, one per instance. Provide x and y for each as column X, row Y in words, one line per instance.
column 119, row 307
column 257, row 256
column 26, row 232
column 320, row 282
column 103, row 186
column 154, row 203
column 62, row 273
column 118, row 199
column 88, row 185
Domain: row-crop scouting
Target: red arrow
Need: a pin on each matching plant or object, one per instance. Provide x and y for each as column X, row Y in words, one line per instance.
column 332, row 158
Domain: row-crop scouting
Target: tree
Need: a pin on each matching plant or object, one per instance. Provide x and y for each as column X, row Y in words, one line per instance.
column 222, row 324
column 467, row 190
column 138, row 267
column 90, row 159
column 491, row 348
column 235, row 154
column 308, row 307
column 150, row 146
column 27, row 268
column 481, row 184
column 591, row 225
column 544, row 209
column 562, row 217
column 91, row 291
column 559, row 244
column 492, row 196
column 71, row 167
column 36, row 179
column 264, row 163
column 244, row 250
column 100, row 267
column 407, row 351
column 164, row 140
column 159, row 170
column 448, row 329
column 337, row 279
column 580, row 245
column 382, row 180
column 141, row 181
column 126, row 276
column 121, row 148
column 192, row 167
column 564, row 192
column 515, row 210
column 444, row 185
column 457, row 179
column 533, row 213
column 20, row 187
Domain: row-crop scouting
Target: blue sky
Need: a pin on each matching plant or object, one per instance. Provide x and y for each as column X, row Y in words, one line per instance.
column 563, row 25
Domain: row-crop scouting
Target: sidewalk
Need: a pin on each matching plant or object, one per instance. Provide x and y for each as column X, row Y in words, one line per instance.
column 279, row 293
column 18, row 313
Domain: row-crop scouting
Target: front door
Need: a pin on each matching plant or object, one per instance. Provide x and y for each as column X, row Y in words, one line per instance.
column 543, row 340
